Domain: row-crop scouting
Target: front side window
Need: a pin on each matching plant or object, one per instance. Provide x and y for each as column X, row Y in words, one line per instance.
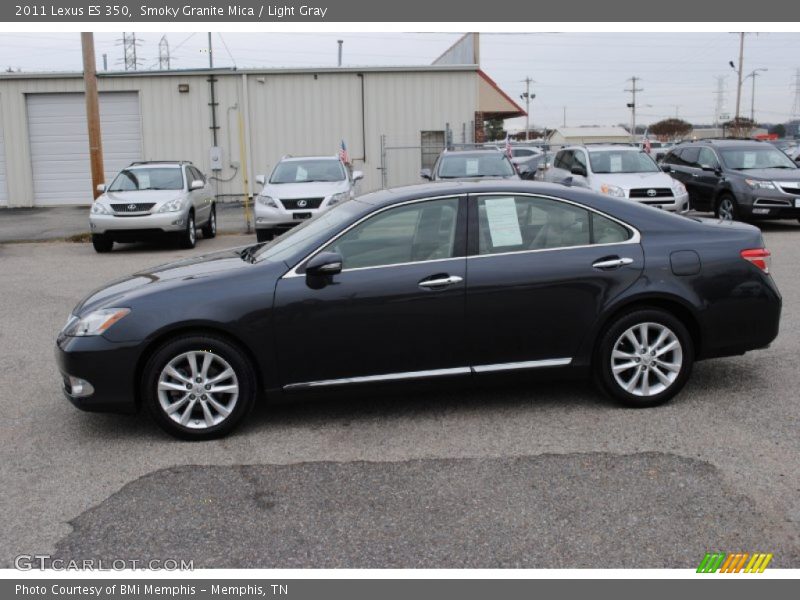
column 520, row 223
column 147, row 178
column 308, row 171
column 621, row 161
column 411, row 233
column 707, row 158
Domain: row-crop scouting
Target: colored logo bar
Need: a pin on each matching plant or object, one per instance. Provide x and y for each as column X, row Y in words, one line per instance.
column 738, row 562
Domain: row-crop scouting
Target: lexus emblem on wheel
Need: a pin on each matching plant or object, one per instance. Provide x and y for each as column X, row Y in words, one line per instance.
column 652, row 193
column 301, row 203
column 131, row 207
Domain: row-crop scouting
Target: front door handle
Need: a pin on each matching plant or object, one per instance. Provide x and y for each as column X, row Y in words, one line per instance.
column 440, row 282
column 611, row 263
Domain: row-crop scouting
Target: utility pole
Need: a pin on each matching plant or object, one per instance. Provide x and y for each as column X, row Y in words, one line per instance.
column 632, row 104
column 105, row 62
column 163, row 54
column 211, row 81
column 527, row 96
column 739, row 75
column 340, row 42
column 92, row 112
column 796, row 104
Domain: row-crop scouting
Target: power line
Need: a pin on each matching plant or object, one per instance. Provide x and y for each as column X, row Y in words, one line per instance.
column 222, row 39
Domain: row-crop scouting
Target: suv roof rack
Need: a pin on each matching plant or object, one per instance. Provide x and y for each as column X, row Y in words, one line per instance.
column 155, row 162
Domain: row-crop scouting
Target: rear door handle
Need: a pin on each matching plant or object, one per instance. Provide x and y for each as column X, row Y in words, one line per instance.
column 611, row 263
column 440, row 282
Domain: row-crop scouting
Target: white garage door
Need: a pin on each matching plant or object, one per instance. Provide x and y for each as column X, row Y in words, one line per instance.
column 60, row 143
column 3, row 186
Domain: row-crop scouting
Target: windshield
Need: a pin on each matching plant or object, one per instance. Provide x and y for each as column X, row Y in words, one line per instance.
column 306, row 171
column 621, row 161
column 283, row 247
column 488, row 164
column 151, row 178
column 767, row 157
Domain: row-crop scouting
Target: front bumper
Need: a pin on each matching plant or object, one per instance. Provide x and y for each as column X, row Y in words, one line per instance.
column 768, row 204
column 108, row 367
column 267, row 217
column 154, row 223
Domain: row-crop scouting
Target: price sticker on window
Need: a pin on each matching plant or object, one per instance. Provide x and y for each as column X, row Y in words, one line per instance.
column 504, row 230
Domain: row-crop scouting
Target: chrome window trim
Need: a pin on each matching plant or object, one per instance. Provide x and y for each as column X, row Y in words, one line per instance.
column 293, row 271
column 636, row 238
column 492, row 368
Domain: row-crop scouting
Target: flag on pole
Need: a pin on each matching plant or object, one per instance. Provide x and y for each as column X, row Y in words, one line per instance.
column 343, row 155
column 508, row 146
column 647, row 146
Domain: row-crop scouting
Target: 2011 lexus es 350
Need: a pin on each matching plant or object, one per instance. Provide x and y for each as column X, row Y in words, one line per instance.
column 436, row 280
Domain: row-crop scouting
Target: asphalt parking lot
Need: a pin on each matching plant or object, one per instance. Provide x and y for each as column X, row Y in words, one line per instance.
column 514, row 475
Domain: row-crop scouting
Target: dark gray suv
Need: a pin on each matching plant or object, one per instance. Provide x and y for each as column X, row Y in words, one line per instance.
column 737, row 179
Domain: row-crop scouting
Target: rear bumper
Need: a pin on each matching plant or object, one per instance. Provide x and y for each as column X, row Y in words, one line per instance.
column 140, row 226
column 109, row 368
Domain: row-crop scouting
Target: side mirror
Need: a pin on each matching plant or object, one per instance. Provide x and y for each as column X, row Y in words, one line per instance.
column 425, row 174
column 525, row 172
column 101, row 187
column 325, row 263
column 261, row 179
column 666, row 168
column 578, row 170
column 358, row 175
column 197, row 184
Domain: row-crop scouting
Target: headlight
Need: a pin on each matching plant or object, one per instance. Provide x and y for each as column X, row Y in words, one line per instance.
column 336, row 198
column 96, row 322
column 612, row 190
column 172, row 206
column 677, row 186
column 760, row 185
column 267, row 201
column 99, row 209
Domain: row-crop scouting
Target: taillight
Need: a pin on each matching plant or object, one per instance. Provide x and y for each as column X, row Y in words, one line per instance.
column 760, row 257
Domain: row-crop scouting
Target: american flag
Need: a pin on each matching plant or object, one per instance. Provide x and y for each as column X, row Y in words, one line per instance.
column 343, row 155
column 508, row 146
column 647, row 147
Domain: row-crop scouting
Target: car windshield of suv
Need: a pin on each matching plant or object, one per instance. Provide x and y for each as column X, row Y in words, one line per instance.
column 621, row 161
column 307, row 171
column 462, row 165
column 767, row 157
column 150, row 178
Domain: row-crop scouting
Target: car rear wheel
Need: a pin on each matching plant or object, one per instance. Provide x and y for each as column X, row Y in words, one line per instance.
column 210, row 228
column 265, row 235
column 727, row 209
column 188, row 237
column 198, row 387
column 644, row 358
column 102, row 243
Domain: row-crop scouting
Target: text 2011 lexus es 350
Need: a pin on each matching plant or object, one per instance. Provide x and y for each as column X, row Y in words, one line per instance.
column 436, row 280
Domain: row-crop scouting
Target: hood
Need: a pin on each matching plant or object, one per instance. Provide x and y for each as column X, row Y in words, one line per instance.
column 629, row 181
column 310, row 189
column 139, row 196
column 771, row 174
column 203, row 268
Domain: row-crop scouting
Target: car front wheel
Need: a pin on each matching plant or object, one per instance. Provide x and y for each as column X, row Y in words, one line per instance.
column 188, row 237
column 727, row 209
column 264, row 235
column 102, row 243
column 210, row 228
column 198, row 387
column 644, row 358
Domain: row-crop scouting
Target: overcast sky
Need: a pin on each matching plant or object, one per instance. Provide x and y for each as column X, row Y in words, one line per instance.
column 585, row 72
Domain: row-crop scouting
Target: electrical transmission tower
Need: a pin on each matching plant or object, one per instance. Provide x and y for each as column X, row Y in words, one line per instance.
column 720, row 104
column 129, row 45
column 796, row 104
column 163, row 54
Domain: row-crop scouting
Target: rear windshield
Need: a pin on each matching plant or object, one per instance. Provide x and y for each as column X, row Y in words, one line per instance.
column 307, row 171
column 151, row 178
column 621, row 161
column 488, row 164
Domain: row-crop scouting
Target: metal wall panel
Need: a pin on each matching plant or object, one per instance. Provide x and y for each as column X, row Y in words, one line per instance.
column 3, row 186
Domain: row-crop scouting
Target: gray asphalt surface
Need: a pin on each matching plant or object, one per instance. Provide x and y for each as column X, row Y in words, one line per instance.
column 481, row 475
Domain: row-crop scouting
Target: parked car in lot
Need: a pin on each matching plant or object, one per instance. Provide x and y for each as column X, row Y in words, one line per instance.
column 150, row 199
column 429, row 281
column 528, row 165
column 470, row 164
column 618, row 170
column 737, row 179
column 301, row 187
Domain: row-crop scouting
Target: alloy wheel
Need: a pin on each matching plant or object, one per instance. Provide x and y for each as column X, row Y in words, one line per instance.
column 726, row 209
column 647, row 359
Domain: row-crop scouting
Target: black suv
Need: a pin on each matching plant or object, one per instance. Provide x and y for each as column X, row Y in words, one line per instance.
column 737, row 179
column 471, row 164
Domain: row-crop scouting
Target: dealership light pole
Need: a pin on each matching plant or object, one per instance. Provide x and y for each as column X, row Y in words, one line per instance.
column 527, row 96
column 632, row 104
column 753, row 74
column 92, row 112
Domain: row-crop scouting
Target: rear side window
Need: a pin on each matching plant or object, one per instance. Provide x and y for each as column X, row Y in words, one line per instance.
column 520, row 223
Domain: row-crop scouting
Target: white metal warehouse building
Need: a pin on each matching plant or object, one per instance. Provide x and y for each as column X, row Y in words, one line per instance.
column 261, row 115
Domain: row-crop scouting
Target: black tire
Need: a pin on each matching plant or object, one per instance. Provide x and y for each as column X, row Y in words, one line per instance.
column 265, row 235
column 721, row 208
column 609, row 383
column 196, row 430
column 210, row 228
column 188, row 237
column 102, row 243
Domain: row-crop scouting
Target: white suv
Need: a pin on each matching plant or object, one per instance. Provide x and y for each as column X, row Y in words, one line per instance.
column 149, row 199
column 300, row 188
column 622, row 171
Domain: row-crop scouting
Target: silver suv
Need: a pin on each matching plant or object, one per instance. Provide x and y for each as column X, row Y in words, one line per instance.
column 301, row 187
column 618, row 170
column 150, row 199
